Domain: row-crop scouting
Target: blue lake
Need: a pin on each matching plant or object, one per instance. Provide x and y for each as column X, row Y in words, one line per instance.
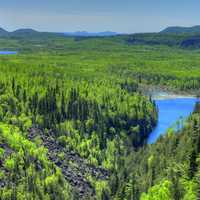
column 170, row 111
column 8, row 52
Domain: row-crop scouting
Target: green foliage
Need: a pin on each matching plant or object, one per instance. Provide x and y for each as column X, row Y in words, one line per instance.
column 31, row 175
column 168, row 169
column 86, row 93
column 157, row 192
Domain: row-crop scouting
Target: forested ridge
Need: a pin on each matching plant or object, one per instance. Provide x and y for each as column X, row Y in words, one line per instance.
column 74, row 120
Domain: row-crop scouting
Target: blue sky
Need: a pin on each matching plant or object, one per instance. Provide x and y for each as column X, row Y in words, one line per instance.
column 126, row 16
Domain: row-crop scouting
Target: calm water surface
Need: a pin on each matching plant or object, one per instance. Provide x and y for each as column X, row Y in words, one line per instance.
column 170, row 111
column 7, row 52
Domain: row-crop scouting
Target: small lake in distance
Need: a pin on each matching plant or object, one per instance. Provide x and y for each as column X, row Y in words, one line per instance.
column 8, row 52
column 170, row 111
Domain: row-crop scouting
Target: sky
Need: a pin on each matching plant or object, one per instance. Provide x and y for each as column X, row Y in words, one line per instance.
column 122, row 16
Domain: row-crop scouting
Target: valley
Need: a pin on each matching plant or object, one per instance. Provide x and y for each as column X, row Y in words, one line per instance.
column 91, row 117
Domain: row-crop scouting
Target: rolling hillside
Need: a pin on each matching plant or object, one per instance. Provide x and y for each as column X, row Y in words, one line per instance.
column 182, row 30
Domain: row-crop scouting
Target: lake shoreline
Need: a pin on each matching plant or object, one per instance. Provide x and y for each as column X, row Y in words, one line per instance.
column 162, row 93
column 165, row 96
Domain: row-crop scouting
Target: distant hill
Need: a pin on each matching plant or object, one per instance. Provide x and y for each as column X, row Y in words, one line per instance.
column 28, row 32
column 184, row 37
column 3, row 32
column 182, row 30
column 87, row 34
column 25, row 31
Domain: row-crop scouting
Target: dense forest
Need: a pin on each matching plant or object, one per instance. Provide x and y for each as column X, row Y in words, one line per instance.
column 75, row 118
column 168, row 169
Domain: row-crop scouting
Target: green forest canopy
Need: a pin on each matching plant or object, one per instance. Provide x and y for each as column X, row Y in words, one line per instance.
column 80, row 99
